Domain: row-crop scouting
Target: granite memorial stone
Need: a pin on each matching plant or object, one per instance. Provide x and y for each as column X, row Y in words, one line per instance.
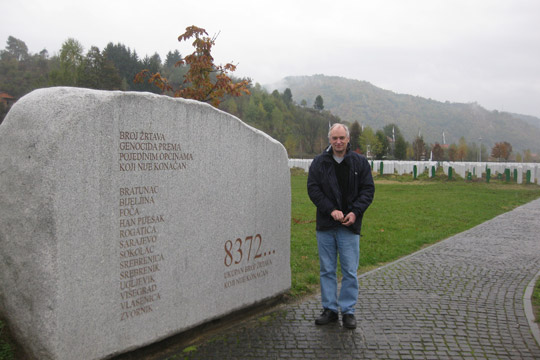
column 130, row 217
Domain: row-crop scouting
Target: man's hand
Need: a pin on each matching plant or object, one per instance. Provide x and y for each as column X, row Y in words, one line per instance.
column 337, row 215
column 345, row 220
column 349, row 219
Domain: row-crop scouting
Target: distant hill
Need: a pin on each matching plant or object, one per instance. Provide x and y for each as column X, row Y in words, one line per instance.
column 354, row 100
column 528, row 119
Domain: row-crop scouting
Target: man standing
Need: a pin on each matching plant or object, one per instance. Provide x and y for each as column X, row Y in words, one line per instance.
column 341, row 187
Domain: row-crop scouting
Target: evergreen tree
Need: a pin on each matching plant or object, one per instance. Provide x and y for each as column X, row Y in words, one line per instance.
column 17, row 49
column 400, row 149
column 319, row 104
column 355, row 132
column 127, row 63
column 21, row 71
column 287, row 96
column 172, row 58
column 98, row 72
column 380, row 148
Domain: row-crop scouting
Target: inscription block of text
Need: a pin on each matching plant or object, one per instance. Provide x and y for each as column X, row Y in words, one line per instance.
column 129, row 217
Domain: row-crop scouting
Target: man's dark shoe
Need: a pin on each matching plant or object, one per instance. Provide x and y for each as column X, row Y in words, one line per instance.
column 326, row 317
column 349, row 321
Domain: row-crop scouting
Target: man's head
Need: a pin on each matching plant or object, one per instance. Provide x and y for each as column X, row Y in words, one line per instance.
column 339, row 139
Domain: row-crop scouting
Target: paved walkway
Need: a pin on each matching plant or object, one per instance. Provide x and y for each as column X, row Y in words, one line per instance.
column 460, row 299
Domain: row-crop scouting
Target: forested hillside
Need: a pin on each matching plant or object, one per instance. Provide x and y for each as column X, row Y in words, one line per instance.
column 302, row 130
column 360, row 101
column 528, row 119
column 383, row 124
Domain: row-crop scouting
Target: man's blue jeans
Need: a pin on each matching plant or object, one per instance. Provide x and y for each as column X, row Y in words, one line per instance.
column 347, row 244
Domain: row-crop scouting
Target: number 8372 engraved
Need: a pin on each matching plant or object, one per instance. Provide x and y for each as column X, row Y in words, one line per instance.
column 238, row 250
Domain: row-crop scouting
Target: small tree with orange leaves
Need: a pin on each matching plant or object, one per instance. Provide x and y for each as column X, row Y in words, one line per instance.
column 204, row 80
column 501, row 150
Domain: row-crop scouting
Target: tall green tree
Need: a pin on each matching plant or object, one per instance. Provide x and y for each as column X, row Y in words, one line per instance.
column 70, row 64
column 287, row 96
column 400, row 148
column 97, row 72
column 368, row 141
column 21, row 71
column 380, row 148
column 355, row 132
column 17, row 49
column 172, row 58
column 311, row 128
column 173, row 70
column 319, row 103
column 127, row 62
column 154, row 66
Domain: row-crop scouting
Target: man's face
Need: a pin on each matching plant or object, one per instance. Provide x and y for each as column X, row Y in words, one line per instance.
column 339, row 140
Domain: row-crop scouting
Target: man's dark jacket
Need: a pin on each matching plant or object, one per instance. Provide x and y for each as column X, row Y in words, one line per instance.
column 324, row 191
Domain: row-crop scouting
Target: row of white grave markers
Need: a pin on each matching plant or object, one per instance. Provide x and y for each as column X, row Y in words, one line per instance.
column 518, row 172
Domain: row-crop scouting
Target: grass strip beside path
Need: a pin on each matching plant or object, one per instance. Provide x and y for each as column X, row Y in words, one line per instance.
column 536, row 301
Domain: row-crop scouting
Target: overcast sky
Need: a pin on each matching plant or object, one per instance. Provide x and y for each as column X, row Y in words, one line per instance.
column 484, row 51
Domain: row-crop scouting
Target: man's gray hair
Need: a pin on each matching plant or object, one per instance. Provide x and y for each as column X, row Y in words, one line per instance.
column 335, row 126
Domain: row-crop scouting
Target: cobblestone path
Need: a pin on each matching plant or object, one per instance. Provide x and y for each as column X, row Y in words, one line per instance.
column 462, row 298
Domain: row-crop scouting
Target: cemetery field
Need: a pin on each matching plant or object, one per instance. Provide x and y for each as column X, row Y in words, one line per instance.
column 403, row 218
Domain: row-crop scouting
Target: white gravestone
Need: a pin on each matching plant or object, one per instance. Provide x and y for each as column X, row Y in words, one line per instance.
column 129, row 217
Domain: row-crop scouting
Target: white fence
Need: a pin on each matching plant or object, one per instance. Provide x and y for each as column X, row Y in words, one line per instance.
column 517, row 171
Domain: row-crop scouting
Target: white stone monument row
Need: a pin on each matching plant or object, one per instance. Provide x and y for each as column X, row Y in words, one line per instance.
column 401, row 167
column 130, row 217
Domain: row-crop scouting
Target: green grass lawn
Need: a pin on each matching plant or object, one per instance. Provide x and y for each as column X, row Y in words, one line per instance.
column 403, row 218
column 536, row 301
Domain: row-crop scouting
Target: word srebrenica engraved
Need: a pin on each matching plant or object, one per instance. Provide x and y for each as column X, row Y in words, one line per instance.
column 174, row 214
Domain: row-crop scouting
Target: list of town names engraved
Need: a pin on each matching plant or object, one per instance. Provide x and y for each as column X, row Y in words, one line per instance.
column 140, row 219
column 140, row 257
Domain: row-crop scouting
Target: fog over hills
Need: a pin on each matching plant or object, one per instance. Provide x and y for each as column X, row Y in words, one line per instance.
column 354, row 100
